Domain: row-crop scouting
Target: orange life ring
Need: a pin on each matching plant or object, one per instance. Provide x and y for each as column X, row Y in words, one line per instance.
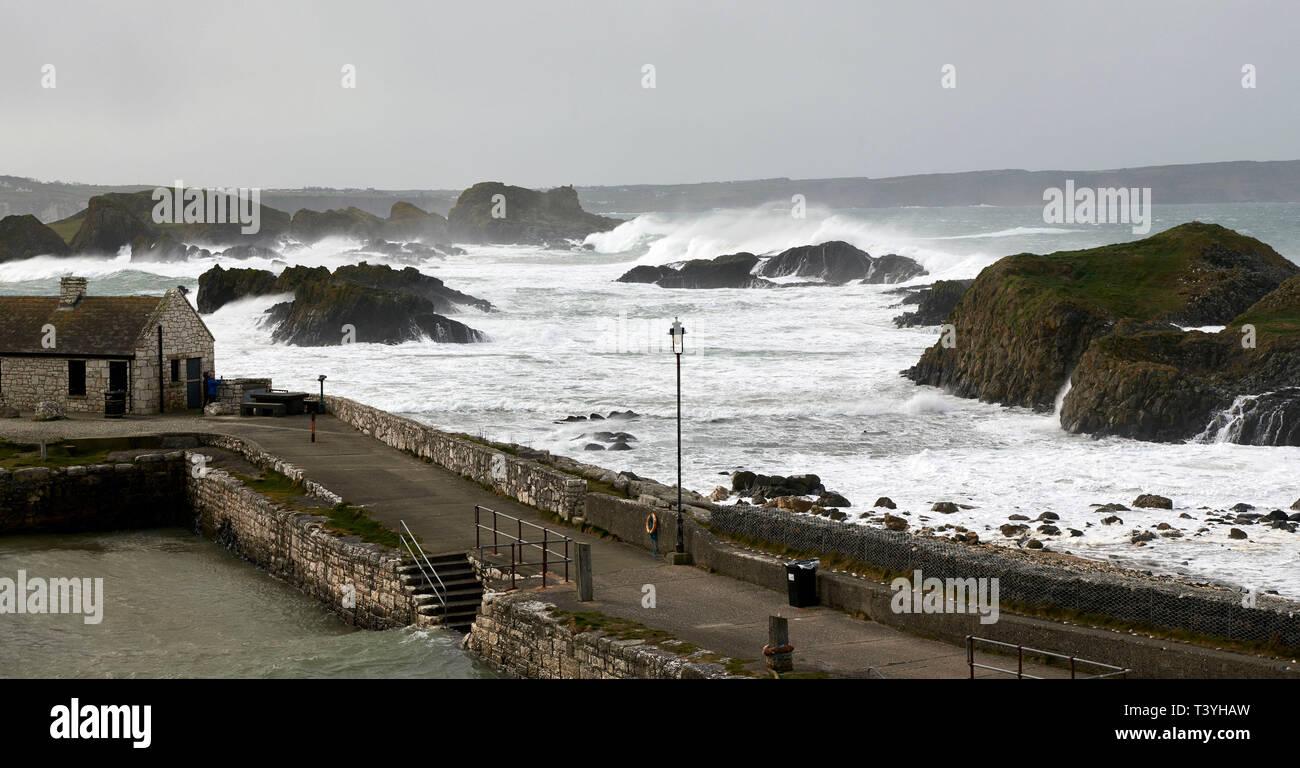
column 651, row 523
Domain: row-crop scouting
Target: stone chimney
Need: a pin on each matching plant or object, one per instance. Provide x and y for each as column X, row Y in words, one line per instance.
column 71, row 291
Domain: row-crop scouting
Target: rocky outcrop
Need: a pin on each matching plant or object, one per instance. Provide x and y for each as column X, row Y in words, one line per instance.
column 1162, row 383
column 113, row 220
column 934, row 303
column 838, row 262
column 892, row 268
column 319, row 310
column 110, row 223
column 312, row 226
column 731, row 271
column 521, row 215
column 832, row 263
column 407, row 222
column 218, row 287
column 1028, row 320
column 22, row 237
column 382, row 304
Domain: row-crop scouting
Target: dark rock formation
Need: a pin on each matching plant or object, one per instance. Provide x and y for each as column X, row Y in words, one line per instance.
column 110, row 223
column 320, row 310
column 892, row 268
column 163, row 248
column 934, row 303
column 218, row 287
column 645, row 273
column 408, row 222
column 1154, row 383
column 311, row 226
column 250, row 251
column 22, row 237
column 730, row 271
column 384, row 305
column 1028, row 320
column 834, row 262
column 550, row 217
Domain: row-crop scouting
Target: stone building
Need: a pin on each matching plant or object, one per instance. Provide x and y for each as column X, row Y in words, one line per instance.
column 71, row 348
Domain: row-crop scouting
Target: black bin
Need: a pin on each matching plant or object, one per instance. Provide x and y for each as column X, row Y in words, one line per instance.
column 114, row 403
column 801, row 578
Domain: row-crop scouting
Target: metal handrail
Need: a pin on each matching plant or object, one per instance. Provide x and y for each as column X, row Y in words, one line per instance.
column 517, row 543
column 1019, row 671
column 873, row 672
column 441, row 595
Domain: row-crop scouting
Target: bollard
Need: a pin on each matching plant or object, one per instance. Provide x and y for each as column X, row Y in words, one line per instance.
column 584, row 574
column 313, row 426
column 778, row 653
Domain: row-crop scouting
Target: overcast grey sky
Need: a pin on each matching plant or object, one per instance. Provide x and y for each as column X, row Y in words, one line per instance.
column 546, row 93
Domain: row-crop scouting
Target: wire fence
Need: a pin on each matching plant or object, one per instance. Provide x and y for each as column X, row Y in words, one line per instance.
column 1082, row 588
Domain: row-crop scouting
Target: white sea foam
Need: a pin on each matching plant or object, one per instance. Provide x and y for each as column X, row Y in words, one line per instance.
column 796, row 379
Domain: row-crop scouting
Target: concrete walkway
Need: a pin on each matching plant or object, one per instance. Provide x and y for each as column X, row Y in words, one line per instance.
column 712, row 611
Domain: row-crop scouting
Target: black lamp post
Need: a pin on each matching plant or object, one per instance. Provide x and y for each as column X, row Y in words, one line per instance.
column 321, row 405
column 678, row 334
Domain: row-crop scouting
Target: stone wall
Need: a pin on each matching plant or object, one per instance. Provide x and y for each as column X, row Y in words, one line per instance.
column 230, row 392
column 520, row 478
column 184, row 336
column 26, row 381
column 356, row 580
column 519, row 634
column 144, row 493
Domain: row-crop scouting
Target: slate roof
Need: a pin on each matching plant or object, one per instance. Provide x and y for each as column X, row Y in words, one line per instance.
column 98, row 325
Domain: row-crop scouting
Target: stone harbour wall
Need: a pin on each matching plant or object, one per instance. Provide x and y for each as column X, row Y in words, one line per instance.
column 529, row 481
column 518, row 634
column 146, row 492
column 356, row 580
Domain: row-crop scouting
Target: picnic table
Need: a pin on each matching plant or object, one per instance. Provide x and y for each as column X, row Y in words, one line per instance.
column 274, row 402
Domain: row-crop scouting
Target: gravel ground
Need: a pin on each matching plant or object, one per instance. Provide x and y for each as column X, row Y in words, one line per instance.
column 25, row 430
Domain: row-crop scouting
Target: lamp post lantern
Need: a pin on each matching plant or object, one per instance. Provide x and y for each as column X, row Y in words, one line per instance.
column 678, row 334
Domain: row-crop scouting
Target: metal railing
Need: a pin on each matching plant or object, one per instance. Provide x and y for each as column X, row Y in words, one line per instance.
column 1019, row 671
column 519, row 546
column 439, row 589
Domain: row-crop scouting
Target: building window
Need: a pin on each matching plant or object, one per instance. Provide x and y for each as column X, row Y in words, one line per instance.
column 77, row 377
column 176, row 370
